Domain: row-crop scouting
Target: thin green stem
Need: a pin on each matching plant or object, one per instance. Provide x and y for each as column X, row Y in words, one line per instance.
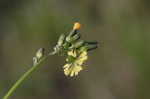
column 23, row 77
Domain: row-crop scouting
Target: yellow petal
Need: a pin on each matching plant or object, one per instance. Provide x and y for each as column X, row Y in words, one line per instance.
column 83, row 54
column 72, row 53
column 80, row 61
column 66, row 72
column 78, row 68
column 66, row 66
column 72, row 74
column 76, row 73
column 84, row 58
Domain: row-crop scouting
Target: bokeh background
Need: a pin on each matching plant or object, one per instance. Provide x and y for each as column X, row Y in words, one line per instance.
column 118, row 69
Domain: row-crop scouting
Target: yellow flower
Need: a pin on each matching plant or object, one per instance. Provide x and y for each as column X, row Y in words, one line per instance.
column 75, row 61
column 72, row 53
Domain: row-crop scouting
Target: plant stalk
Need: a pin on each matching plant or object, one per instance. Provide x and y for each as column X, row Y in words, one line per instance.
column 24, row 77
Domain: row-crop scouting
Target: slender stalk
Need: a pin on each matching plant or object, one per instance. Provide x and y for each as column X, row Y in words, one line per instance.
column 24, row 77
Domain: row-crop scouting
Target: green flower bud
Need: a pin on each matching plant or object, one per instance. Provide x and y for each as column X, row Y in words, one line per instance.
column 75, row 38
column 61, row 40
column 71, row 34
column 78, row 44
column 83, row 48
column 92, row 43
column 91, row 47
column 40, row 53
column 68, row 38
column 35, row 60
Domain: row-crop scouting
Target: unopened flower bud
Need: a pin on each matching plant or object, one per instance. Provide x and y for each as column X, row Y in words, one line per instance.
column 35, row 60
column 76, row 26
column 91, row 47
column 75, row 38
column 83, row 48
column 92, row 43
column 61, row 40
column 78, row 44
column 68, row 38
column 40, row 53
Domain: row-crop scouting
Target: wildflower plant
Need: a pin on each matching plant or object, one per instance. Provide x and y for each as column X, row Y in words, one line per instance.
column 69, row 45
column 75, row 49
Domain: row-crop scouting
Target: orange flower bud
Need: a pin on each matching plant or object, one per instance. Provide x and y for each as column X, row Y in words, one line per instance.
column 77, row 26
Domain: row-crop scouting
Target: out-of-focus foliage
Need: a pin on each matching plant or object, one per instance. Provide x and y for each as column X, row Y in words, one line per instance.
column 118, row 69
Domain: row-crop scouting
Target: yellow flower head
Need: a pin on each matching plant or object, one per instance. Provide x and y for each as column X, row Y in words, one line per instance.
column 75, row 61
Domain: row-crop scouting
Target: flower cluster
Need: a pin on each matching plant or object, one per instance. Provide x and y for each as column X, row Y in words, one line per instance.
column 74, row 48
column 74, row 61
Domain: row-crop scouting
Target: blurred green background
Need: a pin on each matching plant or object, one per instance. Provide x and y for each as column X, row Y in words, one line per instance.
column 118, row 69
